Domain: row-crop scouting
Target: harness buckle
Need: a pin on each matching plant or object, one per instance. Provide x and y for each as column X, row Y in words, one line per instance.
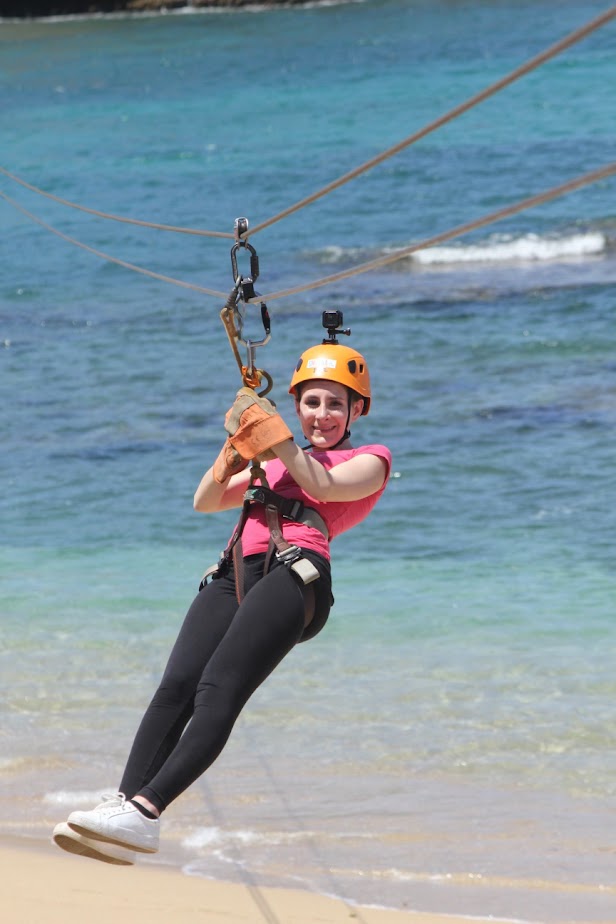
column 289, row 556
column 295, row 512
column 295, row 561
column 255, row 493
column 213, row 571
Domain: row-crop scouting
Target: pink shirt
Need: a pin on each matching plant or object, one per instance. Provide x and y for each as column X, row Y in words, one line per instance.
column 338, row 515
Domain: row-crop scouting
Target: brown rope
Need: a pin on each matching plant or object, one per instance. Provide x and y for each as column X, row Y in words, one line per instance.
column 239, row 861
column 128, row 221
column 586, row 179
column 555, row 192
column 510, row 78
column 530, row 65
column 109, row 258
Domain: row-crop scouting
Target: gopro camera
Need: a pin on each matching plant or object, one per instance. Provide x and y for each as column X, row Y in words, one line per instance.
column 332, row 322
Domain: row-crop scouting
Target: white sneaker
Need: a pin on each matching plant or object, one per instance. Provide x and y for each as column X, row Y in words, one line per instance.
column 70, row 840
column 117, row 821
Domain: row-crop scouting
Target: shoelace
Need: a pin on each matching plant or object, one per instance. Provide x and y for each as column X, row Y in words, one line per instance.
column 110, row 799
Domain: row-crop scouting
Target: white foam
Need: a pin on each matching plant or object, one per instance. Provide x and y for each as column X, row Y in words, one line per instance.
column 203, row 837
column 73, row 798
column 505, row 249
column 333, row 253
column 216, row 837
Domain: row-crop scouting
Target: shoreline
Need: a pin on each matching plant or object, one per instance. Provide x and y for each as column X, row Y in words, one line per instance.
column 46, row 9
column 72, row 889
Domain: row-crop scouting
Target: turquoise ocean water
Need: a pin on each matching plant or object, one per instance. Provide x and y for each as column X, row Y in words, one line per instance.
column 448, row 742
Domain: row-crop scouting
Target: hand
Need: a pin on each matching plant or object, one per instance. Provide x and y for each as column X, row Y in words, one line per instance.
column 254, row 425
column 245, row 398
column 229, row 462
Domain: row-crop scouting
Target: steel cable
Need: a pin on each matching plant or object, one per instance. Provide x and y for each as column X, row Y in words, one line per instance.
column 553, row 193
column 105, row 256
column 531, row 202
column 547, row 196
column 510, row 78
column 572, row 38
column 98, row 214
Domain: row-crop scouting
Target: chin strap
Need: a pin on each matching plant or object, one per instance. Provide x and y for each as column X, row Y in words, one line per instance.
column 347, row 434
column 342, row 439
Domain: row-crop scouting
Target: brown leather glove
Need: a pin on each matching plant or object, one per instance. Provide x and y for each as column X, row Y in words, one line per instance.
column 229, row 462
column 254, row 425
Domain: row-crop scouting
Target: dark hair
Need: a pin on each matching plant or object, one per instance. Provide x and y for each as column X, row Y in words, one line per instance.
column 355, row 396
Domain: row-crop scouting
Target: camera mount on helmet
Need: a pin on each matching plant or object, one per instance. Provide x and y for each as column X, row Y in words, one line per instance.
column 332, row 322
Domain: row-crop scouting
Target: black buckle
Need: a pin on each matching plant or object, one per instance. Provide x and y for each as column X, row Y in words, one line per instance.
column 256, row 493
column 296, row 510
column 289, row 508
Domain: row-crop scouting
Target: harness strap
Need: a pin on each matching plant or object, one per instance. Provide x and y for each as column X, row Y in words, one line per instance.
column 288, row 507
column 238, row 569
column 292, row 556
column 275, row 528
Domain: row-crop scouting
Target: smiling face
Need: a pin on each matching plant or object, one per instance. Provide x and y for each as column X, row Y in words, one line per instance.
column 323, row 412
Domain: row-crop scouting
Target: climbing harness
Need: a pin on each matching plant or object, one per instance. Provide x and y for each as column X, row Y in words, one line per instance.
column 276, row 507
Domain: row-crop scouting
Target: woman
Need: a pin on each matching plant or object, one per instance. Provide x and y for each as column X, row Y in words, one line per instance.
column 227, row 648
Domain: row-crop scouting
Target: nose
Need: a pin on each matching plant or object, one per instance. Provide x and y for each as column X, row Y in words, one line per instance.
column 322, row 411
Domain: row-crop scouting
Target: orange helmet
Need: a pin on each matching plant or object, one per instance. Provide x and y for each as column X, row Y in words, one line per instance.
column 334, row 363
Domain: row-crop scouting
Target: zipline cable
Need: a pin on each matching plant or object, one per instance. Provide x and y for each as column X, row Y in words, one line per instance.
column 241, row 866
column 98, row 214
column 585, row 180
column 109, row 258
column 552, row 51
column 334, row 886
column 510, row 78
column 555, row 192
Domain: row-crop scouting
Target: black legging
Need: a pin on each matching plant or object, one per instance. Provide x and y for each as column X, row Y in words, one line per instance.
column 222, row 654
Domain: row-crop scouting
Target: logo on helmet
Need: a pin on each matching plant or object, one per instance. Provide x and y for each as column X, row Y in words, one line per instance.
column 320, row 364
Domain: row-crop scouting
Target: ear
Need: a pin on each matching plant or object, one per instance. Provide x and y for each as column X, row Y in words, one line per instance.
column 356, row 410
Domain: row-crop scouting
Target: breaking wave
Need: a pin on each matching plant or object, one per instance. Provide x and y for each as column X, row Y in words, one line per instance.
column 507, row 249
column 495, row 249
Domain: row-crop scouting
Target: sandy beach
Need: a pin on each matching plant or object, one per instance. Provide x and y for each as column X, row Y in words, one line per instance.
column 42, row 885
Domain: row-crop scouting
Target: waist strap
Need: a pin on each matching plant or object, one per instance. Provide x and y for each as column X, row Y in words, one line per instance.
column 288, row 508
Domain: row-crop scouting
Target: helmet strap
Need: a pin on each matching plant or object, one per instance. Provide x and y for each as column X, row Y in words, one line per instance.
column 345, row 436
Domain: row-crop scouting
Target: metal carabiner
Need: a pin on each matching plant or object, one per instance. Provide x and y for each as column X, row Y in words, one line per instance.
column 267, row 327
column 233, row 317
column 245, row 283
